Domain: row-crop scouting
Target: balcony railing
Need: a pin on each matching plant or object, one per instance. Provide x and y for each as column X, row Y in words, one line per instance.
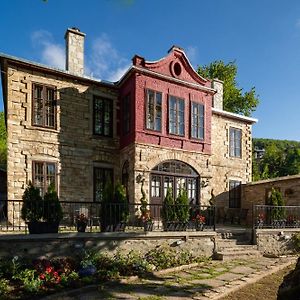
column 115, row 217
column 268, row 216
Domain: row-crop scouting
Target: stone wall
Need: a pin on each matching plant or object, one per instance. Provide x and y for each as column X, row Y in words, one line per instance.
column 275, row 241
column 72, row 145
column 224, row 167
column 51, row 245
column 148, row 156
column 255, row 193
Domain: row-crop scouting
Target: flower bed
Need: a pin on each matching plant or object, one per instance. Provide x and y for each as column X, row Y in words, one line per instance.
column 27, row 279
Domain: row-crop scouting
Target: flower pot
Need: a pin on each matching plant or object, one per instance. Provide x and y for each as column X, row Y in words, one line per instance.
column 89, row 270
column 120, row 226
column 37, row 227
column 169, row 226
column 199, row 227
column 181, row 226
column 81, row 227
column 175, row 226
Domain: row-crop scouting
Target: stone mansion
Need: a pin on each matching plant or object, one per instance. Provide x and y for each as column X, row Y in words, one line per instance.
column 161, row 122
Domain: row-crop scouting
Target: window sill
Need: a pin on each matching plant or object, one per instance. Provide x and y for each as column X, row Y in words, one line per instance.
column 235, row 157
column 173, row 136
column 33, row 127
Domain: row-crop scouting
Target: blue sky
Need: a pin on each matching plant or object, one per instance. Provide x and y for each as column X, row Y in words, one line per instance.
column 262, row 36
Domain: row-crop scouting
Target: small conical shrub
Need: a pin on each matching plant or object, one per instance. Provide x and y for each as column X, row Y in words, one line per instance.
column 182, row 206
column 168, row 209
column 32, row 209
column 52, row 207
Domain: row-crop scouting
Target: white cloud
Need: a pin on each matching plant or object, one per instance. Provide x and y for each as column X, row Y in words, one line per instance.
column 116, row 75
column 192, row 53
column 105, row 61
column 52, row 54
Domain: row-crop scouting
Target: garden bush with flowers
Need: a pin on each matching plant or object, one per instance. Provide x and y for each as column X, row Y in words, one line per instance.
column 26, row 279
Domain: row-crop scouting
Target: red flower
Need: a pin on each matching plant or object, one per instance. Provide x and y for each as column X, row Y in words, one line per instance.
column 200, row 219
column 42, row 276
column 49, row 270
column 58, row 279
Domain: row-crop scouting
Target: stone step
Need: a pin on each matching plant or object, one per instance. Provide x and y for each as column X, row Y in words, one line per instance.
column 235, row 236
column 231, row 242
column 236, row 254
column 237, row 248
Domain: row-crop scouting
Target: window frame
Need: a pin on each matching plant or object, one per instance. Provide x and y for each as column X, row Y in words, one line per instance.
column 235, row 193
column 236, row 143
column 103, row 168
column 200, row 125
column 110, row 103
column 173, row 171
column 176, row 116
column 155, row 118
column 45, row 186
column 45, row 88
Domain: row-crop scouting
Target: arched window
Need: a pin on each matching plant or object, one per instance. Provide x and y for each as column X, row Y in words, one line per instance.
column 176, row 175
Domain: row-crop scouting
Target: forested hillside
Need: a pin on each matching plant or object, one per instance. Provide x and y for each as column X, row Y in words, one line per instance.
column 280, row 158
column 2, row 141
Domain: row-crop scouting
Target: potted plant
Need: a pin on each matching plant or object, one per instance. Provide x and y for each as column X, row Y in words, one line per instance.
column 147, row 220
column 199, row 222
column 168, row 211
column 121, row 207
column 41, row 215
column 114, row 209
column 81, row 222
column 260, row 220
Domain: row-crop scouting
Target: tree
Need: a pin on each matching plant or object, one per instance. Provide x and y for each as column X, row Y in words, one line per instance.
column 234, row 100
column 281, row 158
column 3, row 146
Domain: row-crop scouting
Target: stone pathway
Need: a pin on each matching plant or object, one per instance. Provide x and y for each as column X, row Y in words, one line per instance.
column 210, row 280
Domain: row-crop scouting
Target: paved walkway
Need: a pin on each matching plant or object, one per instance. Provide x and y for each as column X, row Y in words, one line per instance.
column 210, row 280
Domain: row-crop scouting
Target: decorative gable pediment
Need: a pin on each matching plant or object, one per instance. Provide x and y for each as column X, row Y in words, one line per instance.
column 175, row 64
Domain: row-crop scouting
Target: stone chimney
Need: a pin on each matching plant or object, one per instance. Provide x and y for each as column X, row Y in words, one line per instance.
column 218, row 97
column 75, row 51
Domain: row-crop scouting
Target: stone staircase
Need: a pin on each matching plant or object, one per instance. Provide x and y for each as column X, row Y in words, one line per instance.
column 234, row 245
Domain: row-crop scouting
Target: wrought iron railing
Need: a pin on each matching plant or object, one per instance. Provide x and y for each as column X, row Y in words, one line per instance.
column 268, row 216
column 114, row 216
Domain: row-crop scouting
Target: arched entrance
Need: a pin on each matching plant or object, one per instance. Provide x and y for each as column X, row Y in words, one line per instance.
column 173, row 174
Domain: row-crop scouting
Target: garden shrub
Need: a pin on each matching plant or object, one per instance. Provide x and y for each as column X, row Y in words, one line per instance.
column 52, row 207
column 165, row 257
column 4, row 287
column 32, row 210
column 276, row 199
column 30, row 280
column 168, row 209
column 114, row 208
column 182, row 206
